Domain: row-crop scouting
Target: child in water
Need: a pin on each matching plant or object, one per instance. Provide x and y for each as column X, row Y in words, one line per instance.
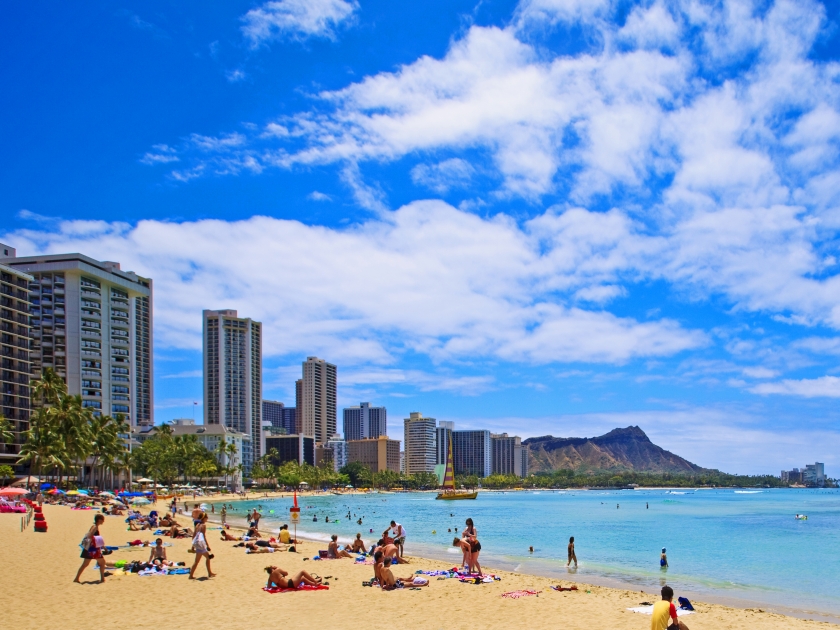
column 663, row 559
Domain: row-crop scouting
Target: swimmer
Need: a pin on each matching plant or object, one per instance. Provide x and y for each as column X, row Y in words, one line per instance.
column 663, row 559
column 571, row 552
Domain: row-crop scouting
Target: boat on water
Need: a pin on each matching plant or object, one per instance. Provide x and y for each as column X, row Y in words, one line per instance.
column 448, row 491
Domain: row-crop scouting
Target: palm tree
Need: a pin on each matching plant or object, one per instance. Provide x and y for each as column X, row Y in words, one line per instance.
column 49, row 388
column 74, row 423
column 7, row 435
column 43, row 445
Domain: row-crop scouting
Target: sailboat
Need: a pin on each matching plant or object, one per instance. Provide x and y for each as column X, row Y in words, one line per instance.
column 449, row 493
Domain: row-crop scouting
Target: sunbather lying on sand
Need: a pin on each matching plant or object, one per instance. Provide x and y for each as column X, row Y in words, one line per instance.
column 279, row 578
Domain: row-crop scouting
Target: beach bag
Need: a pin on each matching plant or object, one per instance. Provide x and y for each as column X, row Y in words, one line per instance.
column 684, row 603
column 199, row 543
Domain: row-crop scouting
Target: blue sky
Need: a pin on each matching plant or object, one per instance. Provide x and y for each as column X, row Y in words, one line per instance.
column 545, row 216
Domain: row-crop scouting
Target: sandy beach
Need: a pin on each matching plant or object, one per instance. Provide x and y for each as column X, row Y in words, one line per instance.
column 40, row 568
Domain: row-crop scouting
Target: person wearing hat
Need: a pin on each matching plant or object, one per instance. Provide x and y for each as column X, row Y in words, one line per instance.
column 663, row 559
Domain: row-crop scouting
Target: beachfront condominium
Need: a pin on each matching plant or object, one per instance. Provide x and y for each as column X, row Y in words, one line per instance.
column 419, row 443
column 444, row 437
column 290, row 448
column 92, row 324
column 279, row 417
column 377, row 454
column 233, row 377
column 298, row 406
column 364, row 422
column 15, row 364
column 318, row 412
column 506, row 456
column 339, row 451
column 472, row 453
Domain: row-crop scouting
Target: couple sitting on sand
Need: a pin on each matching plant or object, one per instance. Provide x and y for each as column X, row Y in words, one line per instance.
column 386, row 579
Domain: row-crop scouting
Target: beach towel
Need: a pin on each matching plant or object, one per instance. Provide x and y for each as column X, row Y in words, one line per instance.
column 302, row 587
column 648, row 610
column 519, row 594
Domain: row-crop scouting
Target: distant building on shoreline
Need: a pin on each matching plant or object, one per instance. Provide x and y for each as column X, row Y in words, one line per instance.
column 472, row 453
column 291, row 448
column 279, row 416
column 507, row 454
column 233, row 377
column 365, row 422
column 377, row 454
column 317, row 405
column 812, row 475
column 419, row 443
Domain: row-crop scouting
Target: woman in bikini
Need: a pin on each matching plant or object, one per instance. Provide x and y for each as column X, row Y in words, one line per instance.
column 277, row 577
column 470, row 533
column 90, row 551
column 202, row 549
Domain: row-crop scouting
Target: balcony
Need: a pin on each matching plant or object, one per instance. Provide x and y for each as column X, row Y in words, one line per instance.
column 89, row 293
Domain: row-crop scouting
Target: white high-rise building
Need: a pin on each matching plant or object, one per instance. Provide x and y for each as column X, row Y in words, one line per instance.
column 318, row 392
column 419, row 445
column 92, row 324
column 364, row 422
column 233, row 377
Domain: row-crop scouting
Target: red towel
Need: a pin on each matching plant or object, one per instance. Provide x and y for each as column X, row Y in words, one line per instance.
column 302, row 587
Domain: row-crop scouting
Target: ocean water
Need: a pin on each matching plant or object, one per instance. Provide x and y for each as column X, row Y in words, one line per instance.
column 729, row 546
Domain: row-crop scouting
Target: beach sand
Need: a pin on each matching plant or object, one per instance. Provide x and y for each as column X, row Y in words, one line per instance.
column 38, row 569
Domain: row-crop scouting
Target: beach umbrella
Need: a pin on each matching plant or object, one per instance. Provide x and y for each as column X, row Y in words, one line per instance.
column 73, row 492
column 145, row 480
column 85, row 492
column 12, row 492
column 106, row 493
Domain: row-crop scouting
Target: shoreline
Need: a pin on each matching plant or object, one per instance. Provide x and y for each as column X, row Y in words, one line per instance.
column 426, row 553
column 236, row 595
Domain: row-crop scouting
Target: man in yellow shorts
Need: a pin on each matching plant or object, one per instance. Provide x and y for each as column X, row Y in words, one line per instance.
column 665, row 613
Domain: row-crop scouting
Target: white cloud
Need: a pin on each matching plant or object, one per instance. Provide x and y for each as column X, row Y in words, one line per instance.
column 296, row 19
column 234, row 76
column 824, row 386
column 440, row 177
column 725, row 187
column 426, row 278
column 318, row 196
column 162, row 154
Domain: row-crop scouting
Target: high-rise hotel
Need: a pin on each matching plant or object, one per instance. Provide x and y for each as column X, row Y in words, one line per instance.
column 92, row 324
column 316, row 405
column 15, row 368
column 233, row 377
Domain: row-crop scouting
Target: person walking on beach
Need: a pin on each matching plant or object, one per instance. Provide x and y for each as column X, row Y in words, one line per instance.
column 91, row 550
column 664, row 612
column 202, row 549
column 470, row 534
column 663, row 559
column 571, row 552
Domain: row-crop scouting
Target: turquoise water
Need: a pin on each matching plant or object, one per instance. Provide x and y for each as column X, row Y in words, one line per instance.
column 723, row 545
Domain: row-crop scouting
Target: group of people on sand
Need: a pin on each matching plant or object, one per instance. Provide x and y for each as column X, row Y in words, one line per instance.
column 93, row 548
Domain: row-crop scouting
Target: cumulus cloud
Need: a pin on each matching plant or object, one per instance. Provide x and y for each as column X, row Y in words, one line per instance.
column 822, row 387
column 296, row 19
column 426, row 278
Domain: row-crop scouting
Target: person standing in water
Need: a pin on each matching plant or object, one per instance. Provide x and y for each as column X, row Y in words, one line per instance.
column 663, row 559
column 571, row 552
